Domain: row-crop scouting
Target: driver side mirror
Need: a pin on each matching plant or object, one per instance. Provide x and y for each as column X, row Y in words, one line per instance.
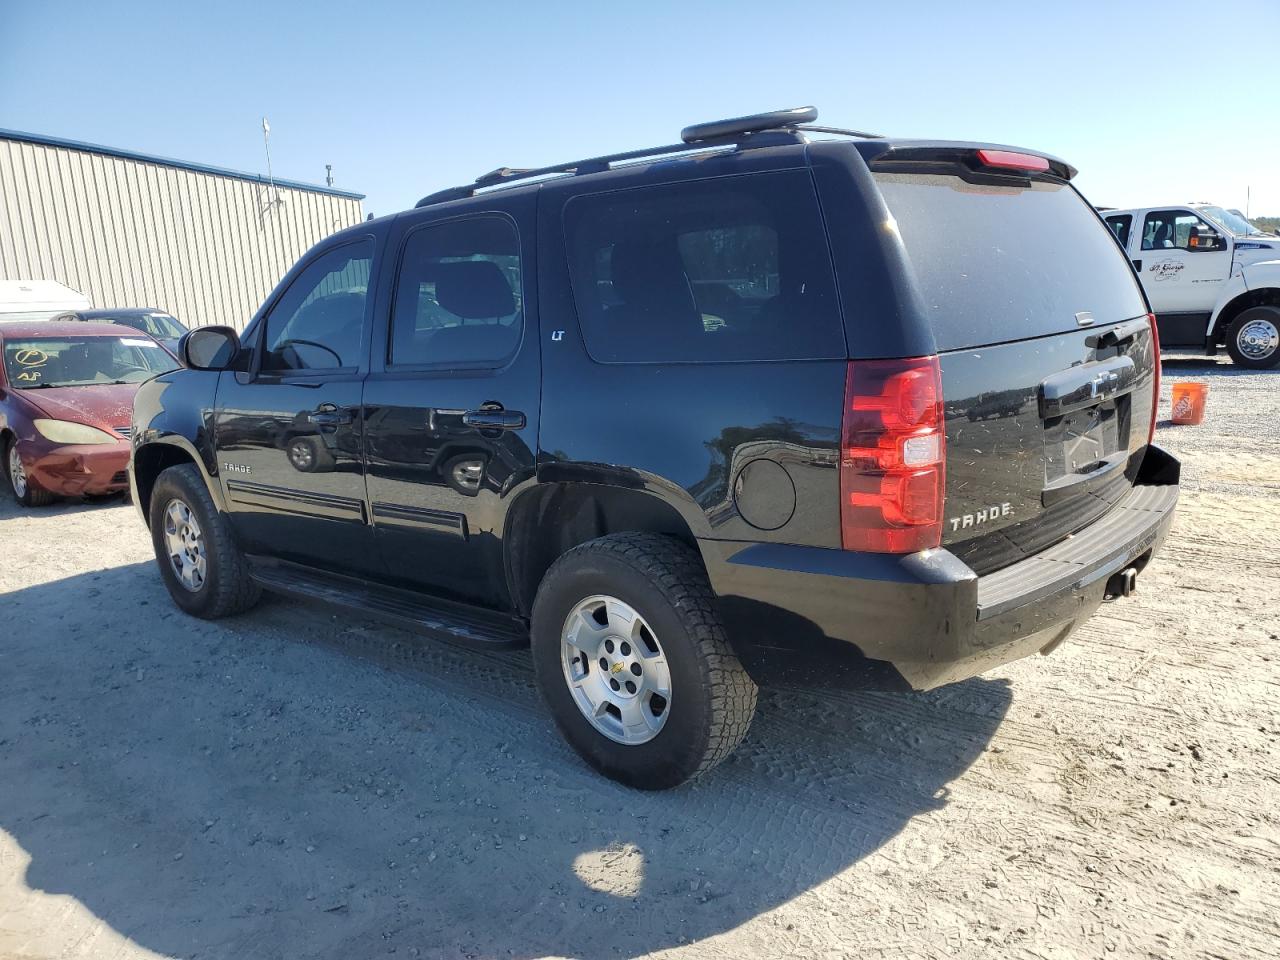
column 209, row 348
column 1203, row 240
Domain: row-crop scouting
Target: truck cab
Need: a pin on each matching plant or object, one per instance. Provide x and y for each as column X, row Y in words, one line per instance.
column 1212, row 278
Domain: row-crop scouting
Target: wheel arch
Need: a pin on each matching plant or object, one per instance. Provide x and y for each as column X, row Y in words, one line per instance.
column 549, row 519
column 1267, row 296
column 151, row 459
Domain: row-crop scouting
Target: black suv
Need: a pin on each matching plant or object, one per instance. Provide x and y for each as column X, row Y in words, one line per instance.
column 778, row 403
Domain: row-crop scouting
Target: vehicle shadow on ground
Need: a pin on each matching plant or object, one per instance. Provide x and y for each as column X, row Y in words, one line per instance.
column 59, row 508
column 258, row 787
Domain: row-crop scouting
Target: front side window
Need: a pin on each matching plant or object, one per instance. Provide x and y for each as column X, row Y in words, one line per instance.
column 728, row 269
column 316, row 325
column 458, row 297
column 1171, row 230
column 1120, row 226
column 83, row 361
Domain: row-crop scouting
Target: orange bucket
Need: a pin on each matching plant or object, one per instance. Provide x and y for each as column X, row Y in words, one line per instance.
column 1188, row 402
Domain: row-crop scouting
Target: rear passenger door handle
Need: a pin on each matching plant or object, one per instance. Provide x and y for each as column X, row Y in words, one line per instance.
column 1137, row 265
column 489, row 419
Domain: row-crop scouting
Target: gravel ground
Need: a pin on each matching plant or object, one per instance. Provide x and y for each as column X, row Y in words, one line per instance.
column 294, row 784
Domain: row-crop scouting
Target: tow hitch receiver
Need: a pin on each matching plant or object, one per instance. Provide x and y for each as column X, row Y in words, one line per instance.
column 1122, row 584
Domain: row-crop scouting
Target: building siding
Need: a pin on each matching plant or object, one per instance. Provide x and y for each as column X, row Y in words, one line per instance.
column 129, row 231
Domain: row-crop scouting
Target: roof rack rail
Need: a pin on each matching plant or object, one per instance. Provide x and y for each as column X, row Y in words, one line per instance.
column 840, row 131
column 738, row 131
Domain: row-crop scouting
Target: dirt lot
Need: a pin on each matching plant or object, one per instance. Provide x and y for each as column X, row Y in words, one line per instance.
column 294, row 784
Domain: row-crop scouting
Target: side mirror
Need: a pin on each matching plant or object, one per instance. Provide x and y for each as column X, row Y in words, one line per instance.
column 209, row 348
column 1203, row 240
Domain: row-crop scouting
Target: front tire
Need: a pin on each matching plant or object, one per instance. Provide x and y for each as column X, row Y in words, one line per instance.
column 204, row 571
column 23, row 488
column 633, row 662
column 1253, row 340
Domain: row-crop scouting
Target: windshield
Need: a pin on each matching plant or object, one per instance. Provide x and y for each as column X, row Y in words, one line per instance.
column 1231, row 222
column 83, row 361
column 159, row 325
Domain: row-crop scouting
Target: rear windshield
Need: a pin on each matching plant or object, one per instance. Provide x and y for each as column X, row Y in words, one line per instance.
column 999, row 263
column 83, row 361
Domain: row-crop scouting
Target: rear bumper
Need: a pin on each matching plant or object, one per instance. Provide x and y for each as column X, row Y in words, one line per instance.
column 811, row 616
column 71, row 470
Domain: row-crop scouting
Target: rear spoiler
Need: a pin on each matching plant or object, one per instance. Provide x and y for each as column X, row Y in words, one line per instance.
column 909, row 156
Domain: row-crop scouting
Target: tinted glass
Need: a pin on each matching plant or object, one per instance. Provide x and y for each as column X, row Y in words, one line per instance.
column 458, row 295
column 316, row 324
column 83, row 361
column 1120, row 227
column 1000, row 263
column 735, row 268
column 1171, row 230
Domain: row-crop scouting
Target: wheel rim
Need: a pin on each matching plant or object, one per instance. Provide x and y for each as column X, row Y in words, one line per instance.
column 300, row 454
column 1258, row 339
column 616, row 670
column 17, row 476
column 184, row 542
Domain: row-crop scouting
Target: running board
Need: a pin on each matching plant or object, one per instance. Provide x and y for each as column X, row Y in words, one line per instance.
column 433, row 617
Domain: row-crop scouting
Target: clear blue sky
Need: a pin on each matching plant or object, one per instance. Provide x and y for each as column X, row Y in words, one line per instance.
column 1153, row 101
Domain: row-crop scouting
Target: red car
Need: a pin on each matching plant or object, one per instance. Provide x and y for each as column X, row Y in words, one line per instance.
column 66, row 405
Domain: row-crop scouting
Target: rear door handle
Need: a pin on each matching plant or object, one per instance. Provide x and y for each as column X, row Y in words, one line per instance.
column 1086, row 385
column 1137, row 265
column 494, row 419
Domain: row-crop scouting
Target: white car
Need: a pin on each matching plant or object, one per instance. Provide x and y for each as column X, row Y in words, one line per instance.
column 1213, row 279
column 37, row 299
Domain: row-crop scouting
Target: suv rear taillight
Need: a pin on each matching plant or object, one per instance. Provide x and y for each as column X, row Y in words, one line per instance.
column 1155, row 398
column 892, row 456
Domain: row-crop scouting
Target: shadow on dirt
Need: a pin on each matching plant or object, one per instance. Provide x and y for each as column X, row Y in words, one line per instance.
column 243, row 789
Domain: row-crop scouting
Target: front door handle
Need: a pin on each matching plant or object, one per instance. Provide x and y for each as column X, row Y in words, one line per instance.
column 330, row 415
column 489, row 418
column 1137, row 265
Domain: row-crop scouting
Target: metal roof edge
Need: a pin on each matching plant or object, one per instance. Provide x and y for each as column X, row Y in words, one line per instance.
column 48, row 141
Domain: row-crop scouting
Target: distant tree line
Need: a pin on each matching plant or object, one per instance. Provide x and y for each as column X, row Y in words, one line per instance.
column 1268, row 224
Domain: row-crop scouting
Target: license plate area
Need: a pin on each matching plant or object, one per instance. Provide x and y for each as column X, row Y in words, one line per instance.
column 1085, row 440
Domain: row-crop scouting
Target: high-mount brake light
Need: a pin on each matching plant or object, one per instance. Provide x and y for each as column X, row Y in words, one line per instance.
column 1155, row 397
column 892, row 456
column 1013, row 161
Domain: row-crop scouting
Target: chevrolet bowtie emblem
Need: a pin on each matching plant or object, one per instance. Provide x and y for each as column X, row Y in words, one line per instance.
column 616, row 668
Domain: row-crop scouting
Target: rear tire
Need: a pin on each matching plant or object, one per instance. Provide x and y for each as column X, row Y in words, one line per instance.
column 204, row 571
column 23, row 488
column 655, row 588
column 1253, row 339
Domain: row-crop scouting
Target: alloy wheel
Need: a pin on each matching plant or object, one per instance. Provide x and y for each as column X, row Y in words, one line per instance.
column 17, row 476
column 616, row 670
column 184, row 542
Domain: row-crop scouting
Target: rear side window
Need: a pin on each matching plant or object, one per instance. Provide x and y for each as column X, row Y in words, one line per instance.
column 729, row 269
column 458, row 295
column 1001, row 263
column 1120, row 225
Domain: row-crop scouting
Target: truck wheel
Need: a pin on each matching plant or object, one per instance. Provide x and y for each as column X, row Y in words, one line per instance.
column 309, row 455
column 1253, row 340
column 23, row 487
column 205, row 573
column 632, row 660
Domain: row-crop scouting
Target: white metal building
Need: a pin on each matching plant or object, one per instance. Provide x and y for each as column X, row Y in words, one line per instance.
column 130, row 230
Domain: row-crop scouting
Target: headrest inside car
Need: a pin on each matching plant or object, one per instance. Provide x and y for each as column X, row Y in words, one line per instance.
column 474, row 289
